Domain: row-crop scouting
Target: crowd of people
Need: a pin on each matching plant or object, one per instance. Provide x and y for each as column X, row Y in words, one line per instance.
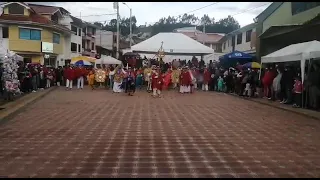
column 277, row 82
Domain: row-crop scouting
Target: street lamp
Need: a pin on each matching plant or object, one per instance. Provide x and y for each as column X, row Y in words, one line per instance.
column 130, row 24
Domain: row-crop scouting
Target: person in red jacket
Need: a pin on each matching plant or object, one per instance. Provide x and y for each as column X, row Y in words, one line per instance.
column 206, row 79
column 80, row 75
column 69, row 75
column 156, row 82
column 267, row 82
column 185, row 81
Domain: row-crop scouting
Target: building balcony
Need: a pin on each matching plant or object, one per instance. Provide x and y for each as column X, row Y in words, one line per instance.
column 88, row 36
column 88, row 52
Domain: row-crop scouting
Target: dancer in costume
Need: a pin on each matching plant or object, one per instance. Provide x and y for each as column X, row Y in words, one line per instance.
column 130, row 86
column 185, row 81
column 117, row 81
column 147, row 78
column 175, row 77
column 157, row 82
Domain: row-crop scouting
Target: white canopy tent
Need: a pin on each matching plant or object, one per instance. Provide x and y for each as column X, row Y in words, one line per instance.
column 295, row 52
column 174, row 44
column 107, row 60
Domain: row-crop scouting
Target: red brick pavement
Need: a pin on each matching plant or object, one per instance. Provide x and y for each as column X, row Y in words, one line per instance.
column 100, row 134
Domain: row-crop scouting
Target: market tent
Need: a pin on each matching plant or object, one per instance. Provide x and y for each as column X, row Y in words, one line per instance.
column 295, row 52
column 107, row 60
column 232, row 58
column 173, row 44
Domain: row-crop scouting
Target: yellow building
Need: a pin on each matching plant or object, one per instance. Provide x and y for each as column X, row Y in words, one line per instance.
column 37, row 38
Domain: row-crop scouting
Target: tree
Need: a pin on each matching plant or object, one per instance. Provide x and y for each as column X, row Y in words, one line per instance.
column 124, row 25
column 229, row 22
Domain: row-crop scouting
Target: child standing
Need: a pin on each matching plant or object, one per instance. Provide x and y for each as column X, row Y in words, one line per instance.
column 139, row 79
column 220, row 84
column 91, row 79
column 49, row 78
column 297, row 90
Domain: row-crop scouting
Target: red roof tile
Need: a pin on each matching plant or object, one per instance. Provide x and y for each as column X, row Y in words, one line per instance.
column 37, row 18
column 44, row 9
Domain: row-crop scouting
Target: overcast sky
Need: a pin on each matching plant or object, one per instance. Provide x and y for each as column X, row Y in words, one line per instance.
column 151, row 12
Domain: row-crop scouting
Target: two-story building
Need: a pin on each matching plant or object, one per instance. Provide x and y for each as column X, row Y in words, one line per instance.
column 242, row 39
column 104, row 42
column 286, row 23
column 209, row 39
column 89, row 39
column 33, row 36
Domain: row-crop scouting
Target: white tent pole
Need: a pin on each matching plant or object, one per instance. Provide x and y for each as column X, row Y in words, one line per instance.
column 260, row 71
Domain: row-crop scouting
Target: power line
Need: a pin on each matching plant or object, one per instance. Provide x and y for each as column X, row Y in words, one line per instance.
column 250, row 9
column 98, row 15
column 199, row 8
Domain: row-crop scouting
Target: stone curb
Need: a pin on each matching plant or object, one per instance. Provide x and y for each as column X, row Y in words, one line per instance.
column 5, row 115
column 278, row 107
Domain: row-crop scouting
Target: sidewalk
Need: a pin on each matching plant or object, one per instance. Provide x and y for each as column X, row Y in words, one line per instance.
column 9, row 108
column 301, row 111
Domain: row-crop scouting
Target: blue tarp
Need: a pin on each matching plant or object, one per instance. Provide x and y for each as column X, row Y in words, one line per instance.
column 236, row 56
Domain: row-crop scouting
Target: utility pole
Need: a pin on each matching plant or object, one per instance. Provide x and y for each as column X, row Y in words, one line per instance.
column 116, row 6
column 130, row 36
column 130, row 28
column 204, row 32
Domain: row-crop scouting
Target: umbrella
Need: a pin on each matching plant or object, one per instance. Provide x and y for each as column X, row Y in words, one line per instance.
column 253, row 65
column 81, row 63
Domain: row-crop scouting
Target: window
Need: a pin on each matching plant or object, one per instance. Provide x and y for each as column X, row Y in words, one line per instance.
column 73, row 47
column 239, row 38
column 56, row 38
column 298, row 7
column 79, row 32
column 228, row 42
column 5, row 32
column 30, row 34
column 224, row 46
column 74, row 29
column 83, row 44
column 92, row 46
column 79, row 47
column 15, row 8
column 248, row 35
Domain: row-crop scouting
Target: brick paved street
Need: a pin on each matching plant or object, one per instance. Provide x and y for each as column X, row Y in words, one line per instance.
column 100, row 134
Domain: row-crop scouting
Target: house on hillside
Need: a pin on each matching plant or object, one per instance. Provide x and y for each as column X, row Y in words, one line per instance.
column 286, row 23
column 242, row 39
column 209, row 39
column 34, row 32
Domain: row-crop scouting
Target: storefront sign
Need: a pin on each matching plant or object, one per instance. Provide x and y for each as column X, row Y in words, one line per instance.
column 47, row 47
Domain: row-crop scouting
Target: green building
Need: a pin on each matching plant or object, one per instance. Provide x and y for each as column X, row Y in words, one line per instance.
column 286, row 23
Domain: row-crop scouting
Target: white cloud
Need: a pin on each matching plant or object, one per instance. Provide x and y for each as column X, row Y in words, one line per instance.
column 151, row 12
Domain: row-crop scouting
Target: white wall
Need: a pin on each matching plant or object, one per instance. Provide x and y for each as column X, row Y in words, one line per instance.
column 104, row 39
column 243, row 47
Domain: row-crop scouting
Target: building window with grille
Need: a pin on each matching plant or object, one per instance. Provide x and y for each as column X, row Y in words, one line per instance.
column 248, row 35
column 29, row 34
column 79, row 48
column 298, row 7
column 5, row 32
column 74, row 29
column 56, row 38
column 73, row 47
column 239, row 38
column 16, row 9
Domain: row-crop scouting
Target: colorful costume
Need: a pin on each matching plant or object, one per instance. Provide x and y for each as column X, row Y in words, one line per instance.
column 157, row 82
column 175, row 77
column 206, row 80
column 130, row 86
column 185, row 81
column 118, row 77
column 147, row 78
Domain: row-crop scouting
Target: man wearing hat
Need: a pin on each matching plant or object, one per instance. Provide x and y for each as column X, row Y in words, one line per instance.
column 157, row 82
column 185, row 80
